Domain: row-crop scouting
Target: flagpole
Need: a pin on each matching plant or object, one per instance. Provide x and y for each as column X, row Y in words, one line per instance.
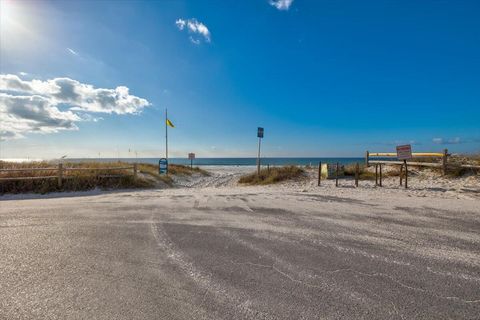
column 166, row 138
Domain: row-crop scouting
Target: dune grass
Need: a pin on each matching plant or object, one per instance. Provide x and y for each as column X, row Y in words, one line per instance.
column 177, row 169
column 454, row 169
column 174, row 169
column 364, row 174
column 72, row 180
column 85, row 179
column 369, row 173
column 273, row 175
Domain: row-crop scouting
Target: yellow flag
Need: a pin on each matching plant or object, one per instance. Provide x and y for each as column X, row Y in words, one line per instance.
column 170, row 123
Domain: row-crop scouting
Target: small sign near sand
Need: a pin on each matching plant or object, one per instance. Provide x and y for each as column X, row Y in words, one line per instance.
column 163, row 166
column 329, row 171
column 404, row 152
column 191, row 156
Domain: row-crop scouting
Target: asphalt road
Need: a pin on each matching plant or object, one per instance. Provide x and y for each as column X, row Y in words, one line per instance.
column 242, row 254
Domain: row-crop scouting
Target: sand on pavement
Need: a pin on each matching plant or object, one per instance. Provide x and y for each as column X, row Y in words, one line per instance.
column 215, row 250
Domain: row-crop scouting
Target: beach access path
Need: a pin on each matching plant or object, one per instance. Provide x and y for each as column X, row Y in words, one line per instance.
column 230, row 252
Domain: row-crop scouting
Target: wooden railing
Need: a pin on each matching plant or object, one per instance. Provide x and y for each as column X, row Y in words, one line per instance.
column 442, row 156
column 60, row 173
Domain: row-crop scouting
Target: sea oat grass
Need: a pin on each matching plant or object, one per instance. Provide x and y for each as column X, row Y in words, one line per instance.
column 98, row 177
column 273, row 175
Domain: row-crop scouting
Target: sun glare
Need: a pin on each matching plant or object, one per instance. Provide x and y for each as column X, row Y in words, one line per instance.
column 6, row 10
column 9, row 17
column 18, row 27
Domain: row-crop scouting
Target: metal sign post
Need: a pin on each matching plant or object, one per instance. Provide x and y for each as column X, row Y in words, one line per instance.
column 191, row 156
column 166, row 142
column 260, row 132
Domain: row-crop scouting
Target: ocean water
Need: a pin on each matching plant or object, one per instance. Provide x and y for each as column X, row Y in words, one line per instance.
column 234, row 161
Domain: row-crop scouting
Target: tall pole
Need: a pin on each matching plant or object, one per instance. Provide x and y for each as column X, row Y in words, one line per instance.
column 166, row 138
column 258, row 158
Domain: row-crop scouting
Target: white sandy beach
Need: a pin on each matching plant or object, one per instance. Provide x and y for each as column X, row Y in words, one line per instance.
column 423, row 184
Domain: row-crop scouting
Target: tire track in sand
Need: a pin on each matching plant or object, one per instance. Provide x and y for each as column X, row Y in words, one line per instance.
column 239, row 301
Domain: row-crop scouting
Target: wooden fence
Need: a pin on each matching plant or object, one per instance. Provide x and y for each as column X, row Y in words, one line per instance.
column 60, row 173
column 441, row 156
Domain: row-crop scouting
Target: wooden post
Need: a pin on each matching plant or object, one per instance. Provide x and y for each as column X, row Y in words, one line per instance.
column 401, row 175
column 60, row 174
column 319, row 172
column 406, row 173
column 444, row 161
column 268, row 167
column 336, row 176
column 357, row 170
column 376, row 174
column 135, row 170
column 191, row 164
column 367, row 156
column 380, row 165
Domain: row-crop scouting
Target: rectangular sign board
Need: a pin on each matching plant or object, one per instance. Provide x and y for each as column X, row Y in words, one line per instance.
column 191, row 156
column 260, row 132
column 329, row 171
column 404, row 152
column 163, row 166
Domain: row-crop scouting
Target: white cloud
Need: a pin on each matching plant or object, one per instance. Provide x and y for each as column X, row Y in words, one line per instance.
column 75, row 53
column 193, row 40
column 180, row 23
column 57, row 104
column 22, row 114
column 281, row 4
column 197, row 30
column 455, row 140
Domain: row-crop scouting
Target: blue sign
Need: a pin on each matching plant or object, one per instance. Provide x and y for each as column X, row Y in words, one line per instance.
column 260, row 132
column 163, row 166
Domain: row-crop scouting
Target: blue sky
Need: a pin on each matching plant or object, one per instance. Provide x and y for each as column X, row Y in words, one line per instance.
column 325, row 78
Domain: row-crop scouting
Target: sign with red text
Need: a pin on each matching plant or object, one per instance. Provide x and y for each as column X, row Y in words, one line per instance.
column 404, row 152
